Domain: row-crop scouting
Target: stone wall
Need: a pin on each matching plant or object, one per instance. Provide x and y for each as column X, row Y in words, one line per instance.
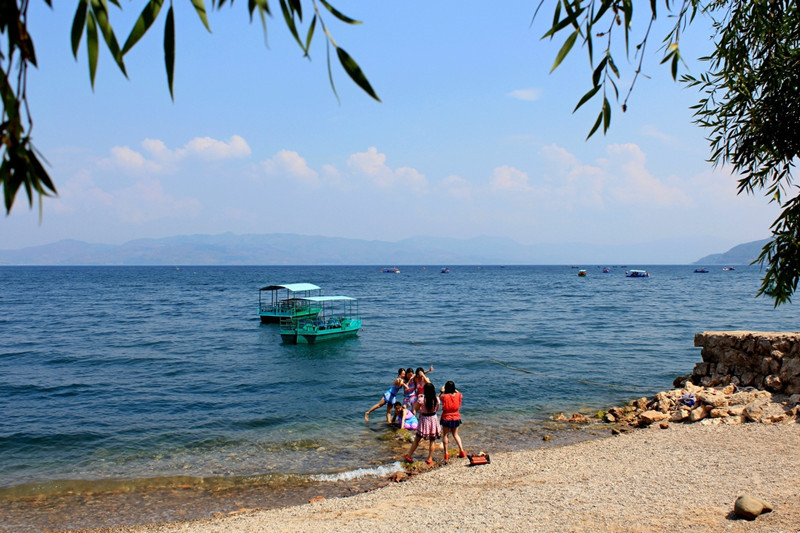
column 763, row 360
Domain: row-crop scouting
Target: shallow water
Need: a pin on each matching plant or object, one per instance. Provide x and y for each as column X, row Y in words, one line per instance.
column 128, row 383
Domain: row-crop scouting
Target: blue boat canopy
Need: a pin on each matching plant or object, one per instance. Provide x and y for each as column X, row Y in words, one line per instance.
column 294, row 287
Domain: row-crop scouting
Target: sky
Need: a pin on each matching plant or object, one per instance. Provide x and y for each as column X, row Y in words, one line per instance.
column 474, row 136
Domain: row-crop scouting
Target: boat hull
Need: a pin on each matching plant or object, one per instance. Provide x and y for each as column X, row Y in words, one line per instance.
column 310, row 334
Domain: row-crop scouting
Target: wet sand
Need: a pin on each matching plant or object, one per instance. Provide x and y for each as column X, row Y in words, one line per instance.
column 684, row 478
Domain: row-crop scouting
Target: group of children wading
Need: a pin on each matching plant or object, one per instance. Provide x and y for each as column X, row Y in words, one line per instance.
column 417, row 410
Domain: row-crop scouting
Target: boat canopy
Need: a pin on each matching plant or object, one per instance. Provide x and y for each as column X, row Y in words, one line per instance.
column 294, row 287
column 324, row 298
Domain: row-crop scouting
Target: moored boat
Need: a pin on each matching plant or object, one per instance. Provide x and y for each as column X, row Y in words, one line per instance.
column 637, row 274
column 445, row 270
column 275, row 301
column 337, row 318
column 393, row 270
column 582, row 273
column 701, row 271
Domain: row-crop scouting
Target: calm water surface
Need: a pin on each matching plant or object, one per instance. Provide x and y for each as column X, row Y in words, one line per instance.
column 121, row 386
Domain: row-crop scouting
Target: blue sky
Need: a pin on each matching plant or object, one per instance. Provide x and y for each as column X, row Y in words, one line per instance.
column 473, row 137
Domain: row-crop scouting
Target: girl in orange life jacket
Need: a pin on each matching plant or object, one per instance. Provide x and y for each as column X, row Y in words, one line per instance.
column 451, row 418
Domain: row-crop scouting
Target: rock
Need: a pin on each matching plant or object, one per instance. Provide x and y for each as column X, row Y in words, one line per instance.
column 679, row 415
column 316, row 499
column 609, row 418
column 718, row 413
column 398, row 477
column 648, row 417
column 773, row 383
column 664, row 425
column 750, row 507
column 699, row 413
column 546, row 438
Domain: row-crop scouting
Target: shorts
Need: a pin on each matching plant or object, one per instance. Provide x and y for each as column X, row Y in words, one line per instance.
column 451, row 423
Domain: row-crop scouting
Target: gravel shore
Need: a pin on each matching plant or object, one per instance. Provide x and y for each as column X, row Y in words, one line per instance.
column 684, row 478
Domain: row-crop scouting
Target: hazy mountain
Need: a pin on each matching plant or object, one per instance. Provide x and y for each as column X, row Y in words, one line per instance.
column 744, row 254
column 288, row 249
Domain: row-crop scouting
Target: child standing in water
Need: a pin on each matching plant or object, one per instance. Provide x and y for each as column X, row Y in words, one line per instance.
column 428, row 428
column 451, row 418
column 389, row 397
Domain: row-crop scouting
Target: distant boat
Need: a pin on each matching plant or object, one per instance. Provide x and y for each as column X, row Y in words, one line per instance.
column 275, row 301
column 701, row 271
column 445, row 270
column 393, row 270
column 582, row 273
column 338, row 318
column 728, row 268
column 637, row 274
column 606, row 270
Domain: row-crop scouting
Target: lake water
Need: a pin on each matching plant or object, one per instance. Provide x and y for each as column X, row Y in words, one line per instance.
column 150, row 393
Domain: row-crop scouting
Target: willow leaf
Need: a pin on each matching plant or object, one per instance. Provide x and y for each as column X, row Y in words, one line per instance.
column 200, row 8
column 355, row 73
column 288, row 17
column 596, row 125
column 146, row 19
column 310, row 34
column 101, row 17
column 586, row 97
column 169, row 49
column 565, row 48
column 338, row 14
column 91, row 45
column 78, row 23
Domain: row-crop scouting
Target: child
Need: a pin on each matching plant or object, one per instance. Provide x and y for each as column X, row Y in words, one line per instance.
column 404, row 418
column 389, row 397
column 451, row 418
column 428, row 428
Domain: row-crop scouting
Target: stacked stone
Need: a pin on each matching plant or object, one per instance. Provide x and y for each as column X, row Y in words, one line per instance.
column 766, row 361
column 729, row 405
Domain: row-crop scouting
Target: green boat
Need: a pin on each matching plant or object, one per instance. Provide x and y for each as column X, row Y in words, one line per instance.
column 275, row 302
column 338, row 318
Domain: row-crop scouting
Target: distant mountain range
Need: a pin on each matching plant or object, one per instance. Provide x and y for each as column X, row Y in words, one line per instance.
column 288, row 249
column 744, row 254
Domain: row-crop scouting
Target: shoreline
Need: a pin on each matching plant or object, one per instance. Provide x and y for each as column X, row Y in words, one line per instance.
column 683, row 478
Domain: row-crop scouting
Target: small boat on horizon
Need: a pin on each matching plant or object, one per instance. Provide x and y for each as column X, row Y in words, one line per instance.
column 728, row 268
column 701, row 270
column 637, row 274
column 338, row 318
column 445, row 270
column 393, row 270
column 581, row 273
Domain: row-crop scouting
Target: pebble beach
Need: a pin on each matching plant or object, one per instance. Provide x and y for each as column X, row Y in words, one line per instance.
column 682, row 478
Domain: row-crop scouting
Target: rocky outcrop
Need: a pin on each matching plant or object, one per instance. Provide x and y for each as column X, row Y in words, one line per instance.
column 695, row 403
column 765, row 361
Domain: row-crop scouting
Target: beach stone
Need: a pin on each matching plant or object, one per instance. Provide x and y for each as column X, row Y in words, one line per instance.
column 609, row 418
column 679, row 415
column 648, row 417
column 773, row 383
column 750, row 507
column 718, row 413
column 734, row 420
column 699, row 413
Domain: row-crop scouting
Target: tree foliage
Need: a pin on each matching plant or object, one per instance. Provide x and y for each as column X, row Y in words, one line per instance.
column 750, row 103
column 21, row 165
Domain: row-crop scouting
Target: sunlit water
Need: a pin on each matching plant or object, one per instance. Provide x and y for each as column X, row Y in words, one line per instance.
column 121, row 382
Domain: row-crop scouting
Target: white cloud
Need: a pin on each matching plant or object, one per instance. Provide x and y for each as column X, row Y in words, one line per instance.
column 287, row 163
column 212, row 149
column 528, row 95
column 372, row 165
column 631, row 182
column 162, row 159
column 508, row 178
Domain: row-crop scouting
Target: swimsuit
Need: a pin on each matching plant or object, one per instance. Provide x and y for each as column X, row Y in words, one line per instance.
column 390, row 395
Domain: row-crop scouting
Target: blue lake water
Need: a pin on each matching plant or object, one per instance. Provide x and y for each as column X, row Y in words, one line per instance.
column 125, row 379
